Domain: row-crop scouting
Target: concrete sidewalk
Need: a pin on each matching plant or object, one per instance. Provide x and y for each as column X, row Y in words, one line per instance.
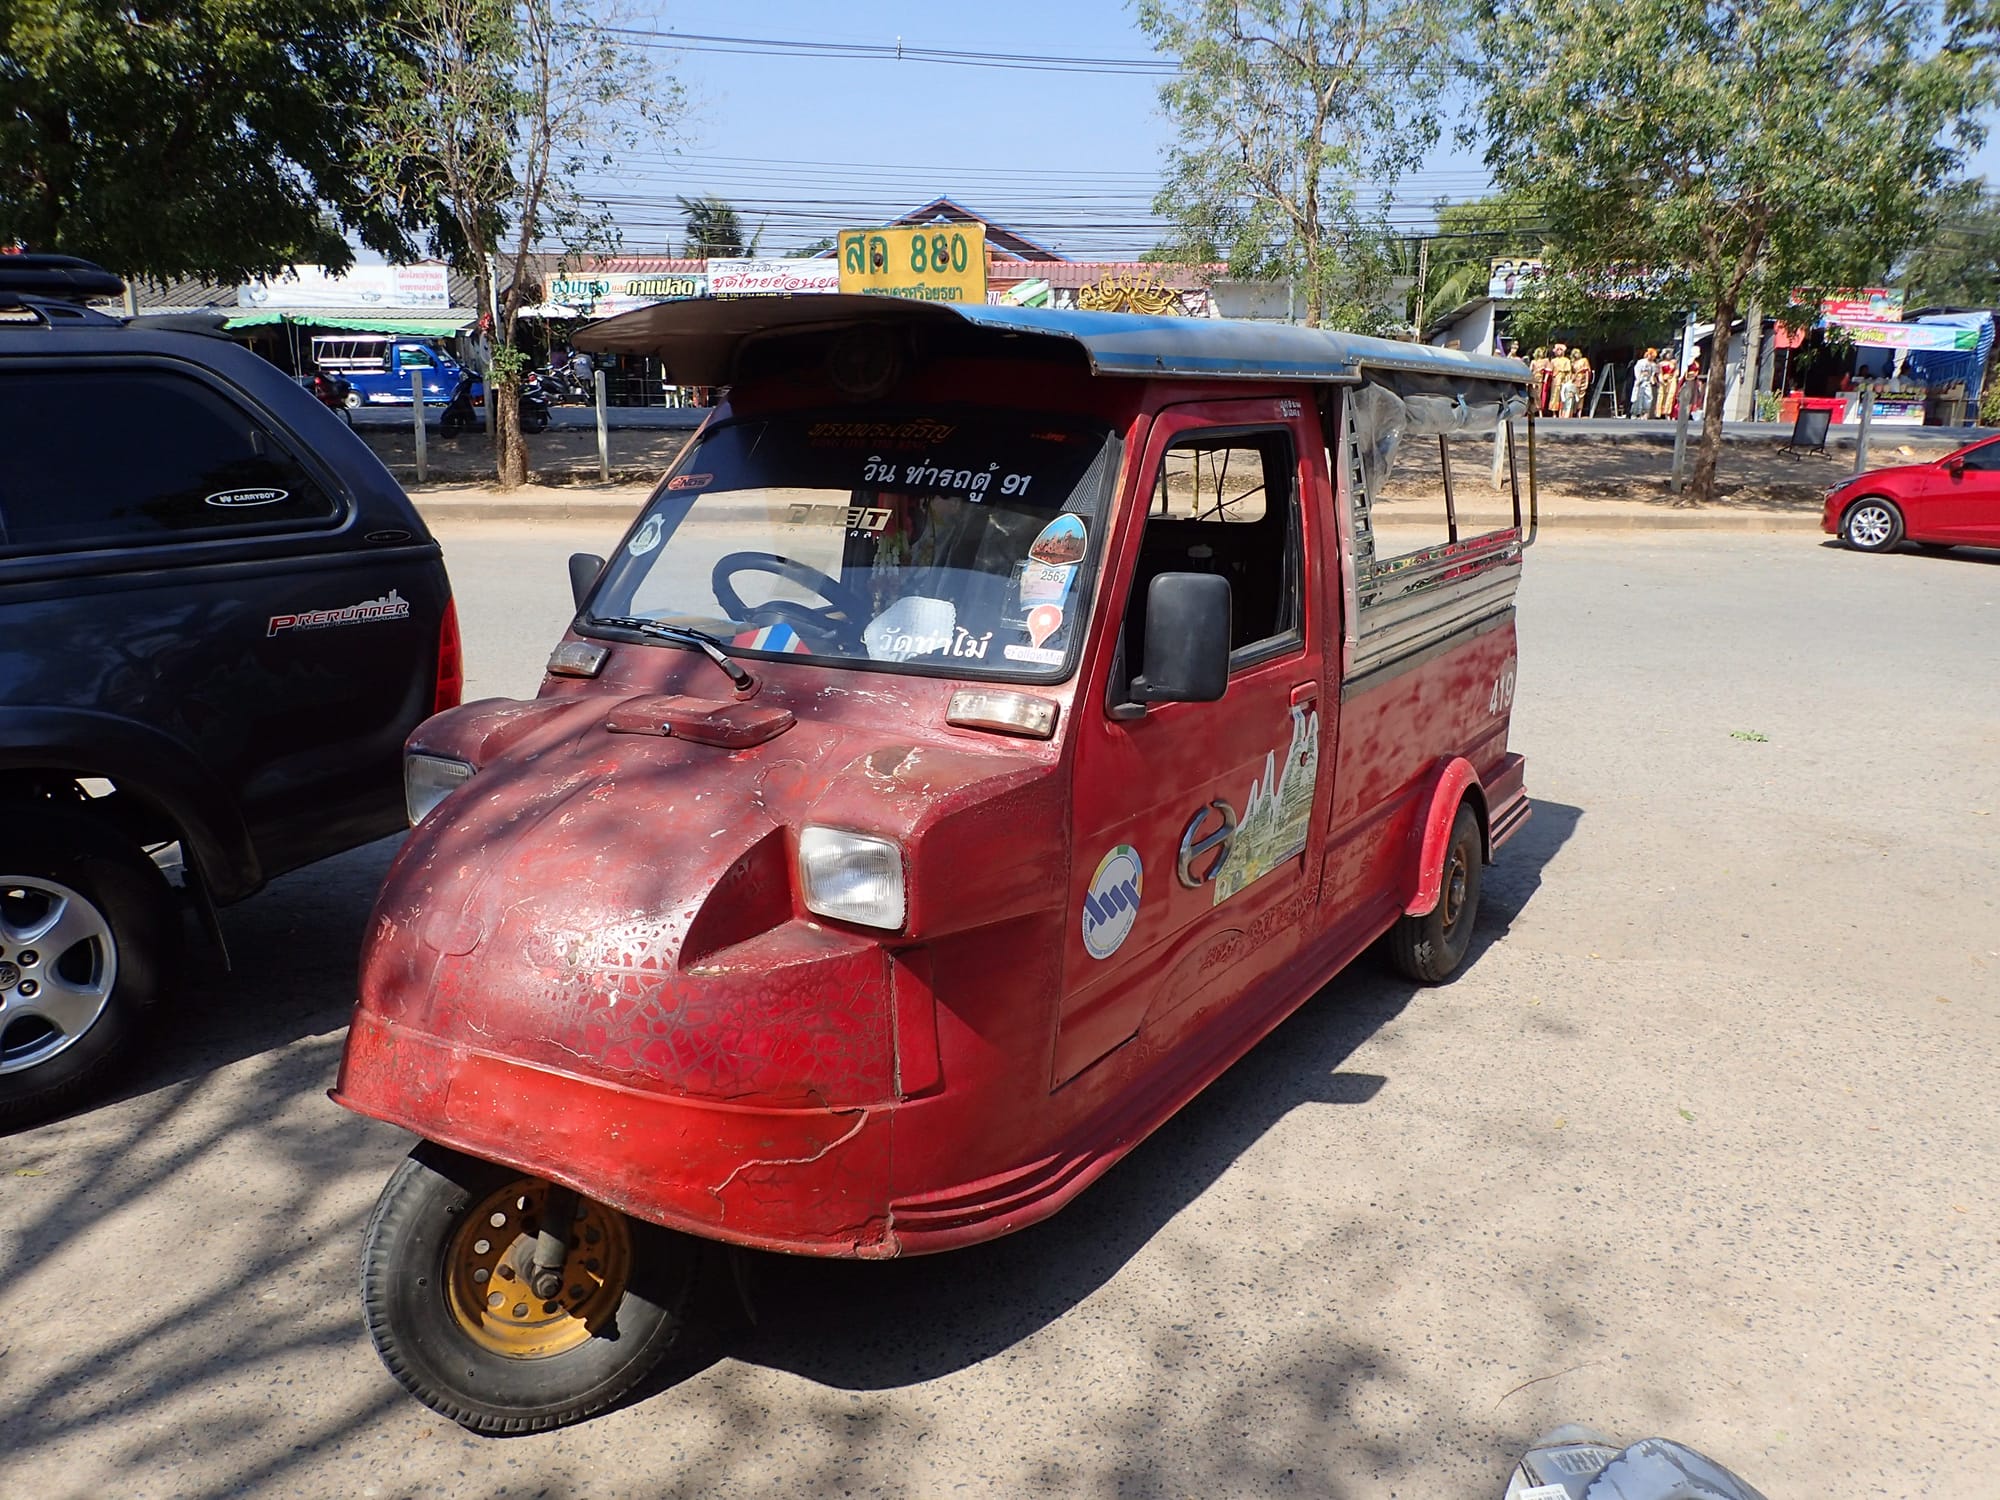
column 616, row 503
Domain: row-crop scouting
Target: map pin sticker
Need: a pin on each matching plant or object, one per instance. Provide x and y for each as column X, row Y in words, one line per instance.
column 1044, row 620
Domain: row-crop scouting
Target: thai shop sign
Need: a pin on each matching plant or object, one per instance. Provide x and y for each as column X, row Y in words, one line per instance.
column 772, row 278
column 370, row 288
column 1873, row 304
column 617, row 292
column 1914, row 336
column 941, row 263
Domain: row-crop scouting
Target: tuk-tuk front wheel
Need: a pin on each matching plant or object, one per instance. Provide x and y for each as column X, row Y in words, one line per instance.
column 1430, row 948
column 446, row 1273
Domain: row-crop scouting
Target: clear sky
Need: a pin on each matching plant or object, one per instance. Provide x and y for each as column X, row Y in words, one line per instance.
column 806, row 146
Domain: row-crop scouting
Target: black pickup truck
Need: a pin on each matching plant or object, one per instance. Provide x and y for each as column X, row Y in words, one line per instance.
column 219, row 619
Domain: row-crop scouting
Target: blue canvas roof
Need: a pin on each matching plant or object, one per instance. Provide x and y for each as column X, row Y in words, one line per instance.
column 697, row 340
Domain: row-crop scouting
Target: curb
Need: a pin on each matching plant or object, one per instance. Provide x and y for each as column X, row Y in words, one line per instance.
column 607, row 509
column 580, row 509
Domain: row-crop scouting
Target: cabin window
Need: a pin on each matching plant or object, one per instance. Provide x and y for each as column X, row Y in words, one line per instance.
column 1414, row 457
column 1226, row 502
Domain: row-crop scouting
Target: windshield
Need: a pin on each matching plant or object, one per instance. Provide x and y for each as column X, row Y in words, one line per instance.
column 944, row 541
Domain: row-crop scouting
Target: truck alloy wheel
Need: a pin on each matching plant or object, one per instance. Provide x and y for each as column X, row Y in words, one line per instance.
column 87, row 933
column 446, row 1274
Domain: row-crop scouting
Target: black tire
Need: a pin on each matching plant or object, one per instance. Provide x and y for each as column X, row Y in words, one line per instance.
column 1430, row 948
column 414, row 1246
column 134, row 952
column 534, row 421
column 450, row 426
column 1872, row 524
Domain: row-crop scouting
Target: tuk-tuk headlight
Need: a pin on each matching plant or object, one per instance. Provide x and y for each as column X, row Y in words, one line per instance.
column 428, row 780
column 851, row 877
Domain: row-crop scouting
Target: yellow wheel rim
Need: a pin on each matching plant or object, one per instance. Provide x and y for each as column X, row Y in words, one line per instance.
column 489, row 1260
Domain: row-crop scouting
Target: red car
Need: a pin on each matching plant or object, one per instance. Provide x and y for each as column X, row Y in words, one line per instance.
column 1952, row 502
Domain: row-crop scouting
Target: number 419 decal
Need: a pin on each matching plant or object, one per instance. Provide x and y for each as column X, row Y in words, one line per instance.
column 1502, row 697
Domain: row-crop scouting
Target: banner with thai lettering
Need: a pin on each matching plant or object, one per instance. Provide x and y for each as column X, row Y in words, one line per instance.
column 371, row 288
column 1873, row 304
column 1913, row 336
column 602, row 296
column 772, row 278
column 938, row 263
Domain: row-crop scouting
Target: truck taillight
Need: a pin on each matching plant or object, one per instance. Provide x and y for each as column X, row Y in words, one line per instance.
column 451, row 662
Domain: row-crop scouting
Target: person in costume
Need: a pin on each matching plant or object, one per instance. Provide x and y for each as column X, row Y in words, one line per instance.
column 1645, row 375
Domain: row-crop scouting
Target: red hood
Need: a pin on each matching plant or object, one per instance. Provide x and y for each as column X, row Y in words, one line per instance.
column 622, row 905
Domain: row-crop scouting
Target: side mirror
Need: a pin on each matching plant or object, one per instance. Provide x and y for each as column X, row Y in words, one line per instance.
column 1187, row 640
column 1955, row 468
column 583, row 570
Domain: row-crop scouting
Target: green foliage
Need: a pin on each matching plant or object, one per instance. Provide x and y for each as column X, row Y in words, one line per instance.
column 1727, row 153
column 499, row 112
column 714, row 227
column 1959, row 263
column 1282, row 109
column 1989, row 404
column 192, row 137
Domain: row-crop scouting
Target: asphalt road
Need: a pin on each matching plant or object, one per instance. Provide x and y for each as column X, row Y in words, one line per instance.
column 1701, row 1142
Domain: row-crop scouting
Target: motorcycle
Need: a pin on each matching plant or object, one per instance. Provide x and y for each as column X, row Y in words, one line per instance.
column 564, row 388
column 462, row 412
column 331, row 392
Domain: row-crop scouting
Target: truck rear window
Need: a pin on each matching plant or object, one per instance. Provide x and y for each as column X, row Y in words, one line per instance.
column 111, row 458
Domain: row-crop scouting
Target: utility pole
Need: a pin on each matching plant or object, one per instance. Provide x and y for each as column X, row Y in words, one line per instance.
column 1423, row 277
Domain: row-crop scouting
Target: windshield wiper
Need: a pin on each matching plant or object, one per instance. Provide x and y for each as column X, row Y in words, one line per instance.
column 682, row 635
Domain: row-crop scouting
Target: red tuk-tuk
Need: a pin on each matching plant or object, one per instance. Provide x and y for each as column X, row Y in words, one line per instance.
column 995, row 723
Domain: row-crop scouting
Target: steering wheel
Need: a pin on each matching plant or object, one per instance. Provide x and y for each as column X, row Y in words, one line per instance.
column 847, row 608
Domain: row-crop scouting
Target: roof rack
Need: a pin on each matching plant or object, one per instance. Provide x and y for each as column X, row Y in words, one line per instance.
column 58, row 278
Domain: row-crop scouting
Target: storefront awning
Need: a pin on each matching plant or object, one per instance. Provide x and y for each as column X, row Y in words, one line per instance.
column 416, row 327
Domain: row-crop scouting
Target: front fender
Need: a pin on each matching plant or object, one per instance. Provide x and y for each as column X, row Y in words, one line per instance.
column 151, row 766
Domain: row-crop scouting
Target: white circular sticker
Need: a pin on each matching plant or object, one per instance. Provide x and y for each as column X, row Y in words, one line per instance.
column 1111, row 905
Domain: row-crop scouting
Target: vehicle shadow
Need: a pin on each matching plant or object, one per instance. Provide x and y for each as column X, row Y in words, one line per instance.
column 875, row 1326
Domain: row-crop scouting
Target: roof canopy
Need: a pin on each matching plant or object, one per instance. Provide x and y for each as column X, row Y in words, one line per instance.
column 443, row 326
column 699, row 341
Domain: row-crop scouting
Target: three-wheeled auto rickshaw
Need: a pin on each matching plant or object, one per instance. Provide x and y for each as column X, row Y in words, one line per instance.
column 995, row 723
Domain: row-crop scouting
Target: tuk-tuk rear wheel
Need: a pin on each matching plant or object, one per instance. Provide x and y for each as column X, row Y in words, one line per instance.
column 1430, row 948
column 450, row 1234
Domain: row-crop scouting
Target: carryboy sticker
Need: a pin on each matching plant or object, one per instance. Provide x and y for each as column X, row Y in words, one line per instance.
column 240, row 499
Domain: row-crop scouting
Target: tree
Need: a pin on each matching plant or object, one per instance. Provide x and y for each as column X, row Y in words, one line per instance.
column 1283, row 109
column 191, row 137
column 1959, row 264
column 501, row 109
column 714, row 227
column 1725, row 153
